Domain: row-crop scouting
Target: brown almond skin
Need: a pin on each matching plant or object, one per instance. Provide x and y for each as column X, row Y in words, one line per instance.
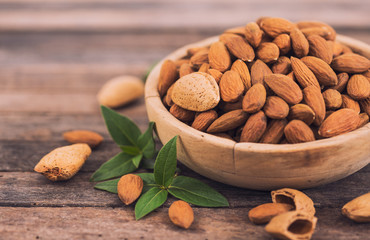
column 239, row 47
column 227, row 107
column 298, row 132
column 275, row 26
column 282, row 66
column 181, row 113
column 228, row 121
column 254, row 99
column 240, row 67
column 203, row 120
column 323, row 72
column 299, row 43
column 199, row 58
column 258, row 72
column 192, row 51
column 215, row 74
column 365, row 105
column 91, row 138
column 332, row 98
column 358, row 87
column 302, row 112
column 342, row 82
column 167, row 76
column 185, row 69
column 350, row 63
column 337, row 48
column 181, row 61
column 331, row 34
column 364, row 119
column 236, row 30
column 320, row 48
column 313, row 98
column 274, row 131
column 254, row 128
column 264, row 213
column 283, row 42
column 284, row 87
column 181, row 214
column 204, row 68
column 253, row 34
column 303, row 74
column 129, row 188
column 268, row 52
column 348, row 102
column 341, row 121
column 276, row 108
column 231, row 86
column 219, row 57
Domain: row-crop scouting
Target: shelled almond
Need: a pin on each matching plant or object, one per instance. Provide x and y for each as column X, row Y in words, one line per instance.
column 270, row 81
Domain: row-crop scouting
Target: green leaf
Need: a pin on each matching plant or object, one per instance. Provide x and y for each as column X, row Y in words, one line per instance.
column 132, row 150
column 150, row 201
column 109, row 186
column 136, row 160
column 196, row 192
column 149, row 182
column 117, row 166
column 123, row 130
column 165, row 164
column 146, row 142
column 147, row 163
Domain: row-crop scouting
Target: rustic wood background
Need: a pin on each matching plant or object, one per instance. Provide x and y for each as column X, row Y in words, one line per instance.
column 55, row 55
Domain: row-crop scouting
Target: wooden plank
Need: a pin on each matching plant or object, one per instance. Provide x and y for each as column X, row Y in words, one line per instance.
column 119, row 223
column 148, row 15
column 29, row 189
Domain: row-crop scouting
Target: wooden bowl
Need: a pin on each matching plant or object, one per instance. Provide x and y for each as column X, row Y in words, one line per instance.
column 255, row 165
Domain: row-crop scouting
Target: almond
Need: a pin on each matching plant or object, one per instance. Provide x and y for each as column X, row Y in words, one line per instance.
column 364, row 119
column 358, row 87
column 231, row 86
column 168, row 97
column 228, row 121
column 219, row 57
column 337, row 48
column 185, row 69
column 275, row 26
column 332, row 98
column 342, row 121
column 268, row 52
column 316, row 31
column 298, row 132
column 196, row 92
column 199, row 58
column 283, row 42
column 129, row 188
column 302, row 112
column 64, row 162
column 299, row 43
column 274, row 131
column 120, row 91
column 215, row 74
column 254, row 99
column 282, row 65
column 254, row 128
column 276, row 108
column 253, row 34
column 264, row 213
column 323, row 72
column 346, row 49
column 204, row 119
column 181, row 214
column 167, row 76
column 331, row 34
column 291, row 76
column 258, row 72
column 236, row 30
column 181, row 61
column 204, row 68
column 240, row 67
column 239, row 47
column 320, row 48
column 367, row 74
column 342, row 82
column 303, row 74
column 348, row 102
column 192, row 51
column 365, row 105
column 350, row 63
column 284, row 87
column 181, row 113
column 313, row 98
column 227, row 106
column 91, row 138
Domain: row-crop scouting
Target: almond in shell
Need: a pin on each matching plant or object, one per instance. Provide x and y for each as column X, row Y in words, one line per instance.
column 341, row 121
column 228, row 121
column 254, row 127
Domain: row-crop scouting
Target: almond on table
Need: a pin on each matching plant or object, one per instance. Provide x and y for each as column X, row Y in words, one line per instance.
column 271, row 81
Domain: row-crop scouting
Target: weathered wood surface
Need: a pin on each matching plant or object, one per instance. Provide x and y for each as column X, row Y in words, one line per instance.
column 54, row 57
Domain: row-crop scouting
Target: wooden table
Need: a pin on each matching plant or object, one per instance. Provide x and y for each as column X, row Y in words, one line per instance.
column 55, row 56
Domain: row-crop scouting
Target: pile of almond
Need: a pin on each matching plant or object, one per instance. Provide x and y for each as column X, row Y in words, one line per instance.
column 272, row 81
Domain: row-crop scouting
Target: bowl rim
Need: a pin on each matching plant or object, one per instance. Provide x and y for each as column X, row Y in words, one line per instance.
column 152, row 92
